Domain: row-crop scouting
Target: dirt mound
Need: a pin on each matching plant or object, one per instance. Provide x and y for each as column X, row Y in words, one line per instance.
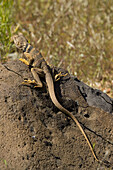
column 34, row 134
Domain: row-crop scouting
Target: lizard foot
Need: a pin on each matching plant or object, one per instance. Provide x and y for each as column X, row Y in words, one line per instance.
column 31, row 82
column 24, row 61
column 59, row 75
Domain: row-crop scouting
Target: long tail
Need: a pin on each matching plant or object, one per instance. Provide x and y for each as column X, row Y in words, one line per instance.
column 50, row 84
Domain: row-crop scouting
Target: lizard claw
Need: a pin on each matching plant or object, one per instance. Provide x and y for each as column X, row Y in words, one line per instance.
column 59, row 75
column 31, row 82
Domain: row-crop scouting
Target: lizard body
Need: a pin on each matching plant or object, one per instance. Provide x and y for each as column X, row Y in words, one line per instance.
column 39, row 67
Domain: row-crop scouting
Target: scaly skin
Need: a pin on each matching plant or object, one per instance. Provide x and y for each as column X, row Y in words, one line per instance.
column 39, row 67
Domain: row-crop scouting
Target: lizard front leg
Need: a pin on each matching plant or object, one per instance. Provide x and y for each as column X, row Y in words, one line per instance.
column 29, row 59
column 24, row 61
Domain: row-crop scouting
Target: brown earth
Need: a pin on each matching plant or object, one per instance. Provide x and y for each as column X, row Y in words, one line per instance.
column 34, row 134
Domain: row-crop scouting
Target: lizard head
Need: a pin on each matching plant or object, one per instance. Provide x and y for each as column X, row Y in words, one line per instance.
column 20, row 41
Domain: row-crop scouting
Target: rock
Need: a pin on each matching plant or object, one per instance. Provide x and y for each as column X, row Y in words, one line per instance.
column 34, row 134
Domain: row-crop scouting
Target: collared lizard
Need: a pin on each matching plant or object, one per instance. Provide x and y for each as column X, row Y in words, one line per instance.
column 39, row 67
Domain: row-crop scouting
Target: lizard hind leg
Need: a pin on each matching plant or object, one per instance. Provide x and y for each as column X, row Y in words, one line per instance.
column 36, row 78
column 36, row 82
column 32, row 82
column 29, row 82
column 59, row 75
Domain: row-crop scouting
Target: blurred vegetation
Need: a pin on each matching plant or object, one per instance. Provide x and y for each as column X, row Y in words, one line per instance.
column 74, row 34
column 6, row 10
